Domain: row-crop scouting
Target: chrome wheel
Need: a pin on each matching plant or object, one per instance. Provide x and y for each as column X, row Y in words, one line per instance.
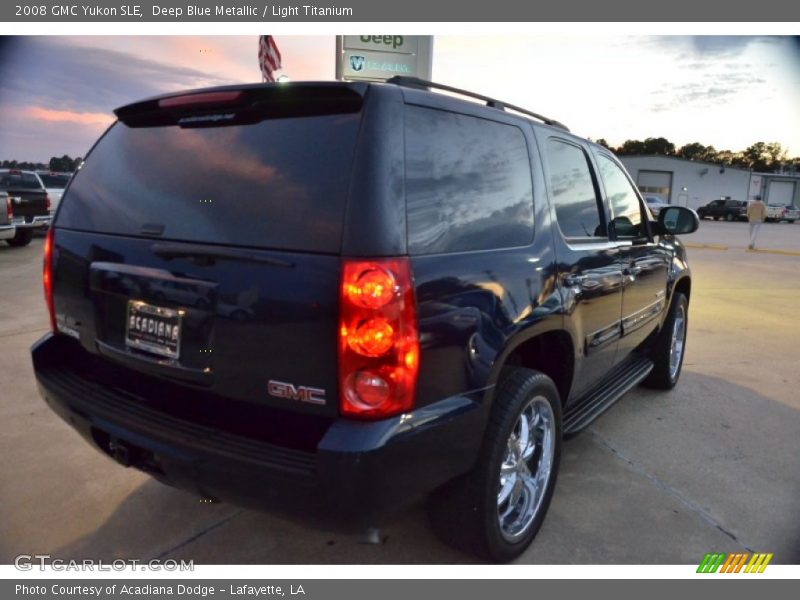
column 526, row 468
column 678, row 339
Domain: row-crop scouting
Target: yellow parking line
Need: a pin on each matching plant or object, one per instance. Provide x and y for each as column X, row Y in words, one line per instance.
column 707, row 246
column 771, row 251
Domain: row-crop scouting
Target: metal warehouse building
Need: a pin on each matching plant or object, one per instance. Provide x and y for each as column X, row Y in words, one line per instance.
column 693, row 183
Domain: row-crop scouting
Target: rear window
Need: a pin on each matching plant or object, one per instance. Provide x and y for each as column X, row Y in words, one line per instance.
column 19, row 181
column 280, row 183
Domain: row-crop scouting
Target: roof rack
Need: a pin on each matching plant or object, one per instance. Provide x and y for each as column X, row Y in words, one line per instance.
column 416, row 82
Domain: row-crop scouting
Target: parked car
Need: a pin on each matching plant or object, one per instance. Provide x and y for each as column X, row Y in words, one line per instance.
column 432, row 296
column 730, row 210
column 782, row 212
column 7, row 227
column 31, row 203
column 655, row 204
column 54, row 184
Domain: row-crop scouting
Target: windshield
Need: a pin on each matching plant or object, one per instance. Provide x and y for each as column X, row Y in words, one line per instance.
column 54, row 180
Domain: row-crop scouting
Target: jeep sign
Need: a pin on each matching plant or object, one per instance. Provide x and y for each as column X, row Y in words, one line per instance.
column 380, row 57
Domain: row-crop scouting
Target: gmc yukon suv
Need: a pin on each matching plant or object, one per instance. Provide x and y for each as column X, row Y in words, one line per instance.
column 335, row 299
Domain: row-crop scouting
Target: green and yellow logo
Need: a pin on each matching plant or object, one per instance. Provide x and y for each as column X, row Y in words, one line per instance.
column 734, row 562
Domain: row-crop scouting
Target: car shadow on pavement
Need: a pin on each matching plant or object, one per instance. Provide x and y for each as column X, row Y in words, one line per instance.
column 156, row 521
column 663, row 477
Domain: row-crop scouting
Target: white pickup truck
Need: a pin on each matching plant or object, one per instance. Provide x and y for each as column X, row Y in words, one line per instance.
column 782, row 212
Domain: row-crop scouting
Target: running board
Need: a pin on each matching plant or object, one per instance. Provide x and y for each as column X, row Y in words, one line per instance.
column 586, row 409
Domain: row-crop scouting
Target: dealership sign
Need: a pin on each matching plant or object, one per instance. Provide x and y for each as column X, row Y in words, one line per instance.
column 380, row 57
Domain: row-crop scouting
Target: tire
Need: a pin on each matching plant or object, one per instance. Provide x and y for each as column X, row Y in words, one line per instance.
column 701, row 214
column 22, row 237
column 716, row 218
column 667, row 369
column 729, row 217
column 466, row 513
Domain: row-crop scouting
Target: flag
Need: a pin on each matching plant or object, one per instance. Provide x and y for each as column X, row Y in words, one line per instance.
column 269, row 57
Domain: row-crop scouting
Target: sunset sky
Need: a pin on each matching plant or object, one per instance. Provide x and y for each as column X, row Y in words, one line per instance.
column 57, row 93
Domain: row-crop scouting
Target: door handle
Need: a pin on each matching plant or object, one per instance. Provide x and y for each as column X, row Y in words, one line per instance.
column 632, row 271
column 575, row 280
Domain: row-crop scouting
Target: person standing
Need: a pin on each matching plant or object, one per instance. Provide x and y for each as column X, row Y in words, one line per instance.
column 756, row 215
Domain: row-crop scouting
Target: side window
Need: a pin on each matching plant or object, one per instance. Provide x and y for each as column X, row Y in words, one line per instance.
column 468, row 183
column 577, row 206
column 625, row 206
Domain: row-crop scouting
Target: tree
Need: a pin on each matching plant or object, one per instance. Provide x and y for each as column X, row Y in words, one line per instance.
column 631, row 148
column 697, row 151
column 61, row 164
column 659, row 145
column 602, row 142
column 763, row 156
column 651, row 145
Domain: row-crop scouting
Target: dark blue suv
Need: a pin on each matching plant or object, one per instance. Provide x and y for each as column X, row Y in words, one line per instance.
column 333, row 299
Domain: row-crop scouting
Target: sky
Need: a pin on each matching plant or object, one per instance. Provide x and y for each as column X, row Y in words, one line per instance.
column 57, row 93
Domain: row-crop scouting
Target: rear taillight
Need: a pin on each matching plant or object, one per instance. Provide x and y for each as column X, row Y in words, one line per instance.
column 9, row 208
column 47, row 201
column 47, row 278
column 378, row 339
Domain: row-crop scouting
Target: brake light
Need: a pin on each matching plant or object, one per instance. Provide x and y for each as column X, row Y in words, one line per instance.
column 9, row 208
column 379, row 342
column 202, row 99
column 47, row 278
column 47, row 201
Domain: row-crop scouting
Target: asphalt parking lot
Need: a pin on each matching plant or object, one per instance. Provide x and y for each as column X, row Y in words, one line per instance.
column 660, row 478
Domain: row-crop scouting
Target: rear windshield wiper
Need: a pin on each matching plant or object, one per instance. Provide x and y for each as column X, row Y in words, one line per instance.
column 208, row 254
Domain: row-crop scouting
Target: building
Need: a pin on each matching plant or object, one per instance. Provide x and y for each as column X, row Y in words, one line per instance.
column 694, row 183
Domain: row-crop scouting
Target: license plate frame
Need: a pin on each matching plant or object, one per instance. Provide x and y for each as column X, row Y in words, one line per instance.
column 154, row 329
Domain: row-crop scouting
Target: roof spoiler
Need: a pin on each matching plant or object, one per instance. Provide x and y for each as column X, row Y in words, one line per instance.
column 243, row 104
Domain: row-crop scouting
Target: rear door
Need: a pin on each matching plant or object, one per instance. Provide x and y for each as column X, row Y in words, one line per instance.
column 716, row 208
column 643, row 262
column 202, row 245
column 588, row 261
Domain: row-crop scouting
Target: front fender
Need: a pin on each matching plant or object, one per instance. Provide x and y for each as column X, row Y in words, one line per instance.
column 680, row 274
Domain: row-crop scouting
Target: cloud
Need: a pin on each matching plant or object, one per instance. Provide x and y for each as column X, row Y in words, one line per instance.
column 715, row 47
column 100, row 119
column 709, row 88
column 58, row 95
column 62, row 75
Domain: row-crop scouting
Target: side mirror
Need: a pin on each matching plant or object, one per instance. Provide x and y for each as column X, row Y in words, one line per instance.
column 678, row 220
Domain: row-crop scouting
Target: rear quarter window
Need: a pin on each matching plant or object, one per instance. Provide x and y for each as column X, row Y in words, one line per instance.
column 468, row 183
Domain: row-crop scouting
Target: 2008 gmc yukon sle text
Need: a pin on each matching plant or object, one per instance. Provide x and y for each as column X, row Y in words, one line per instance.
column 333, row 299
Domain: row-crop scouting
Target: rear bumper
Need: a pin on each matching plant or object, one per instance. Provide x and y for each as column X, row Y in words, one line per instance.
column 359, row 475
column 7, row 231
column 37, row 222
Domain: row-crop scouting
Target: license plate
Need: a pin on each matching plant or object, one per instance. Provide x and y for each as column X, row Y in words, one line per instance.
column 153, row 329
